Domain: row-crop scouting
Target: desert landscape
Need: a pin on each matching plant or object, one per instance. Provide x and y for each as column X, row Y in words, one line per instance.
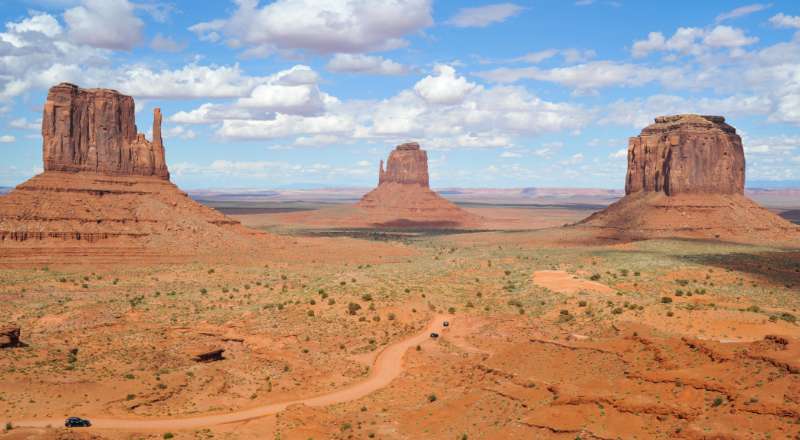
column 130, row 308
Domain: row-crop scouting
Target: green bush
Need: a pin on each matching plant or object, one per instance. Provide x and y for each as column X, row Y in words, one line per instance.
column 666, row 300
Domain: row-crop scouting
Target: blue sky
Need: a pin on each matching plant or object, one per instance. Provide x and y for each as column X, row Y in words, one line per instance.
column 313, row 93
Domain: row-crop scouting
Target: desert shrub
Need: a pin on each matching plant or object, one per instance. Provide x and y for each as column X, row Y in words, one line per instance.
column 678, row 292
column 788, row 317
column 311, row 313
column 376, row 318
column 352, row 308
column 469, row 304
column 210, row 271
column 666, row 300
column 581, row 303
column 346, row 427
column 670, row 314
column 366, row 297
column 431, row 398
column 312, row 302
column 595, row 277
column 451, row 310
column 9, row 426
column 331, row 301
column 617, row 311
column 717, row 402
column 168, row 435
column 391, row 317
column 203, row 290
column 508, row 272
column 624, row 272
column 514, row 302
column 130, row 397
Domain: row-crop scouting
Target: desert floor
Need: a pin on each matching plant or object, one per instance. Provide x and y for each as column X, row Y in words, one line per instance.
column 550, row 337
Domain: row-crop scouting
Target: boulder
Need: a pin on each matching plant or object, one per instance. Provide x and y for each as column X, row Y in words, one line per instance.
column 686, row 154
column 95, row 130
column 209, row 355
column 9, row 336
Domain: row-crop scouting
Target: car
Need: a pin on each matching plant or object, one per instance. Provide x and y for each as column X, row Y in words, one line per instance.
column 77, row 422
column 446, row 324
column 434, row 335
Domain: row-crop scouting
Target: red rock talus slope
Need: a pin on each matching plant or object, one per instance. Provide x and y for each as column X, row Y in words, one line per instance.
column 686, row 179
column 403, row 197
column 106, row 189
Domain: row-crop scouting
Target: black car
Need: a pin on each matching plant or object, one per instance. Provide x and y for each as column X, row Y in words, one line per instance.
column 434, row 335
column 446, row 324
column 77, row 422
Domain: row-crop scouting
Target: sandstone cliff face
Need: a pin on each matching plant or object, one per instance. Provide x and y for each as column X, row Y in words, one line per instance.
column 95, row 130
column 407, row 164
column 686, row 154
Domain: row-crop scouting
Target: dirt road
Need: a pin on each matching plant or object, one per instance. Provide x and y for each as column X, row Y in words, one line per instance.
column 387, row 366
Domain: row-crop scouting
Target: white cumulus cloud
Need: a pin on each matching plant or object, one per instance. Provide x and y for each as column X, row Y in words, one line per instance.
column 346, row 26
column 483, row 16
column 360, row 63
column 108, row 24
column 444, row 88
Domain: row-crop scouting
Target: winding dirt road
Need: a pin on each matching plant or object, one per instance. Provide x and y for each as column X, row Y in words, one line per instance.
column 387, row 366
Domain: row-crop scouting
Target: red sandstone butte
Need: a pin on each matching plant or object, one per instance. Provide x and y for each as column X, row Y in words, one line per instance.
column 686, row 178
column 686, row 154
column 407, row 164
column 105, row 191
column 95, row 130
column 403, row 197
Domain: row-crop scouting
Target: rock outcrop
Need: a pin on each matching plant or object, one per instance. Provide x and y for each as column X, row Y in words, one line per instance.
column 686, row 154
column 686, row 178
column 106, row 192
column 95, row 130
column 9, row 336
column 403, row 197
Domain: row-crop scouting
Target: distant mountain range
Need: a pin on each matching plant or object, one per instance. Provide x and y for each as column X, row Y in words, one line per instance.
column 776, row 197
